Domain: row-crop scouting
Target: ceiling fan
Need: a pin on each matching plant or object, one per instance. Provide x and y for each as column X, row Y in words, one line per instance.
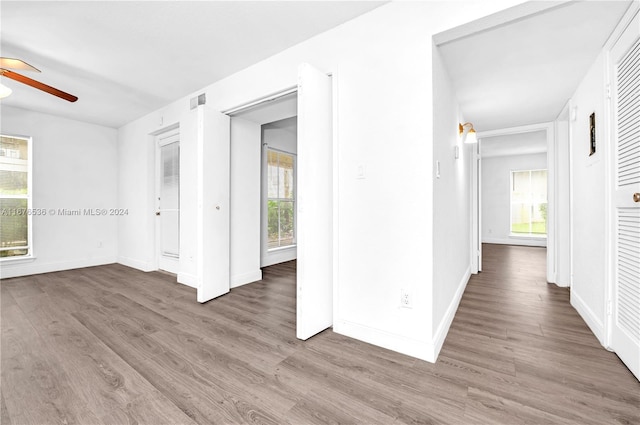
column 7, row 64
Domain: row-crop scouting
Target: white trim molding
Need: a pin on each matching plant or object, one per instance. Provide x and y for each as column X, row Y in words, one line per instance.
column 30, row 268
column 443, row 328
column 590, row 318
column 145, row 266
column 423, row 350
column 245, row 278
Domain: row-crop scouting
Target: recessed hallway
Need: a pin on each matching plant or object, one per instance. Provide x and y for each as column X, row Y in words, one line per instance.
column 110, row 344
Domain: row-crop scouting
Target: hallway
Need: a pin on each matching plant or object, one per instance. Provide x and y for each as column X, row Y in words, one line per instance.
column 526, row 355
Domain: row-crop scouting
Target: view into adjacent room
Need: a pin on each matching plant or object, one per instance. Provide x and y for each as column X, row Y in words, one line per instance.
column 513, row 189
column 278, row 204
column 263, row 174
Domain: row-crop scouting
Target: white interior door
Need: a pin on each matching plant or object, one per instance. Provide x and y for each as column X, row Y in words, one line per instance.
column 168, row 203
column 212, row 202
column 314, row 305
column 625, row 326
column 477, row 158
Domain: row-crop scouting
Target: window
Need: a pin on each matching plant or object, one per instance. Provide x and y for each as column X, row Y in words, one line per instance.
column 15, row 196
column 280, row 199
column 529, row 203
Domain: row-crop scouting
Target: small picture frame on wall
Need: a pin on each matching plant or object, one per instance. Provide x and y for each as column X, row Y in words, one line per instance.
column 592, row 134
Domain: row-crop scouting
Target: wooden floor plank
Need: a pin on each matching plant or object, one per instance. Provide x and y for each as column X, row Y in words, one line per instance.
column 35, row 388
column 5, row 419
column 114, row 345
column 116, row 389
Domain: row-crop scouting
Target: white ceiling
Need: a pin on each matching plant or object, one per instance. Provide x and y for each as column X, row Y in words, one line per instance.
column 514, row 144
column 124, row 59
column 510, row 70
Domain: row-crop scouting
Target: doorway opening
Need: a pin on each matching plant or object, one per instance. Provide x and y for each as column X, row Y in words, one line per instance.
column 168, row 201
column 264, row 184
column 515, row 190
column 289, row 213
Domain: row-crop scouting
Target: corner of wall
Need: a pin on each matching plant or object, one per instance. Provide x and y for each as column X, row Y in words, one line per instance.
column 423, row 350
column 188, row 279
column 443, row 327
column 588, row 315
column 245, row 278
column 144, row 266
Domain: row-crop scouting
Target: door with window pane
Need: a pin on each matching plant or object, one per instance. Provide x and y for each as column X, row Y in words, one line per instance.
column 169, row 204
column 15, row 203
column 280, row 199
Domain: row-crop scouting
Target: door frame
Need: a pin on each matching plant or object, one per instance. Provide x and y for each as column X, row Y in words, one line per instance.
column 161, row 139
column 287, row 90
column 548, row 128
column 476, row 209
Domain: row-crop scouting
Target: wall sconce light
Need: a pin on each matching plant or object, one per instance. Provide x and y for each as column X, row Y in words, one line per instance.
column 467, row 133
column 4, row 91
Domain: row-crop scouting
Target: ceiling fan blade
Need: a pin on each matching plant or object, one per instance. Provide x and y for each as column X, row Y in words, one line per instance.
column 38, row 85
column 11, row 63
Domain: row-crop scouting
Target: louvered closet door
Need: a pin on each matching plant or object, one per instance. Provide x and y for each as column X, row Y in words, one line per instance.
column 625, row 330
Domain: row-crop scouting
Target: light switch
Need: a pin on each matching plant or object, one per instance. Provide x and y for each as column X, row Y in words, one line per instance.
column 360, row 172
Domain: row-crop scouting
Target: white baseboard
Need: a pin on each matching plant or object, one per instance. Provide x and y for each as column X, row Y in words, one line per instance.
column 279, row 256
column 445, row 323
column 237, row 280
column 516, row 241
column 244, row 278
column 423, row 350
column 35, row 267
column 144, row 266
column 590, row 318
column 188, row 279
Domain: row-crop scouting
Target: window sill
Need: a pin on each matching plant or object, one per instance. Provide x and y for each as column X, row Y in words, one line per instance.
column 526, row 236
column 282, row 248
column 17, row 260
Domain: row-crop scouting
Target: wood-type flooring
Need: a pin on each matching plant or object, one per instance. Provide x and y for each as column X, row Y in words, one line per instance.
column 113, row 345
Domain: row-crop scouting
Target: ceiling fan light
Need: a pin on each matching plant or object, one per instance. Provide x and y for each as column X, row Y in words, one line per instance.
column 11, row 63
column 4, row 91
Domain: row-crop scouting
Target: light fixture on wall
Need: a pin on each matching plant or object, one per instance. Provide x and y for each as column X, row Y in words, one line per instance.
column 467, row 133
column 4, row 91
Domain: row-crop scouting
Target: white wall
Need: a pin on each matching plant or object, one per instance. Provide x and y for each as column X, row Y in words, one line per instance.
column 74, row 167
column 451, row 204
column 284, row 137
column 496, row 196
column 381, row 64
column 588, row 196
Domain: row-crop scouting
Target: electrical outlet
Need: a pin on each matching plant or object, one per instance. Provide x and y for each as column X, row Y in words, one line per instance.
column 405, row 299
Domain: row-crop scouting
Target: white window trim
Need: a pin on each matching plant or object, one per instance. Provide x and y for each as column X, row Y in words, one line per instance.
column 30, row 254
